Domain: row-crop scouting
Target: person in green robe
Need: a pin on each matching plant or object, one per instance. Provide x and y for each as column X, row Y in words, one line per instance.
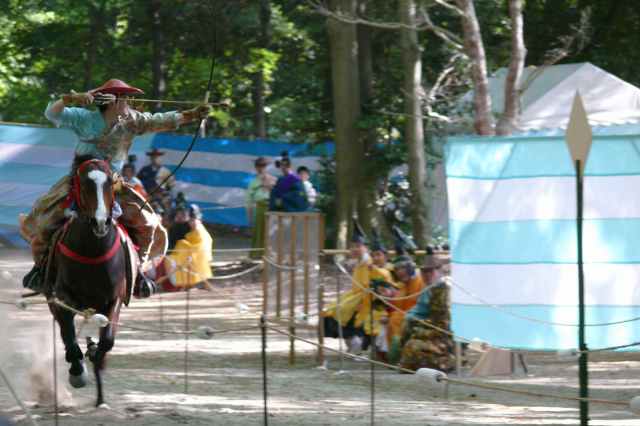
column 258, row 194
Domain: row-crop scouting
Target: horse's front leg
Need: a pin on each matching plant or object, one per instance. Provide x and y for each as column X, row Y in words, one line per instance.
column 105, row 344
column 73, row 353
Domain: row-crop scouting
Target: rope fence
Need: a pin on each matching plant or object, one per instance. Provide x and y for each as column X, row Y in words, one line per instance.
column 445, row 378
column 531, row 319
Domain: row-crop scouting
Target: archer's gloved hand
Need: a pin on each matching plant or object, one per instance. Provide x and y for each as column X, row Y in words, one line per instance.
column 77, row 98
column 198, row 113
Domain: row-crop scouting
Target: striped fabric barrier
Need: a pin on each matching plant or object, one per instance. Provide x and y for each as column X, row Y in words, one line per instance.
column 512, row 209
column 215, row 175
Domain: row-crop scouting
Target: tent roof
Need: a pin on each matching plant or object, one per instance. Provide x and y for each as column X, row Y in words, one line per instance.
column 546, row 102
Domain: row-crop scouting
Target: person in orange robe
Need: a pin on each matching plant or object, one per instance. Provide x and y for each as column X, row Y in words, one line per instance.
column 409, row 283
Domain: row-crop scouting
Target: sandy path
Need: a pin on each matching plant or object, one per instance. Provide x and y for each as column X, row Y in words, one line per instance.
column 145, row 378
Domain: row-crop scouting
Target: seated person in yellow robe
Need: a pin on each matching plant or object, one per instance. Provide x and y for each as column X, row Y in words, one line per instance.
column 347, row 318
column 189, row 263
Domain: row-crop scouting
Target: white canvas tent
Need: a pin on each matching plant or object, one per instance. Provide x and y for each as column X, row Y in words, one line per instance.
column 546, row 102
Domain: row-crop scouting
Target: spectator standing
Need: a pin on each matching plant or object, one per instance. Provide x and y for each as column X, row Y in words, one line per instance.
column 288, row 195
column 258, row 202
column 309, row 190
column 152, row 174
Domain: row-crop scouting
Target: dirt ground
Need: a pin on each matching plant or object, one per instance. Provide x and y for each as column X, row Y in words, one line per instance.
column 145, row 380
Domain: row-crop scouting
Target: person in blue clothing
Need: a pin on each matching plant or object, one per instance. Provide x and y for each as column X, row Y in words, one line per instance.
column 288, row 194
column 149, row 174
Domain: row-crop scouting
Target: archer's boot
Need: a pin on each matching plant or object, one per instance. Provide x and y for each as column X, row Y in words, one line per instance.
column 34, row 280
column 144, row 286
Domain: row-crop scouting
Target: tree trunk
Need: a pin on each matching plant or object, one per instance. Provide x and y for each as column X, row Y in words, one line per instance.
column 260, row 118
column 96, row 28
column 413, row 131
column 507, row 122
column 346, row 99
column 367, row 196
column 483, row 120
column 158, row 60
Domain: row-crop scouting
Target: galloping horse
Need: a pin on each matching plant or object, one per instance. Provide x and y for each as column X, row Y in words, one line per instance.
column 90, row 267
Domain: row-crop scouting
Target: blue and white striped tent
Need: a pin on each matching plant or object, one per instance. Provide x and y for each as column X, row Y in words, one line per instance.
column 214, row 175
column 512, row 217
column 512, row 210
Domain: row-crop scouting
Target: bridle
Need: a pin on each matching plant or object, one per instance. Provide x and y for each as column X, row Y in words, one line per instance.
column 75, row 195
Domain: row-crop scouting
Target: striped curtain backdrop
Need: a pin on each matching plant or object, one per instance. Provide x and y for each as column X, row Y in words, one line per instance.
column 215, row 175
column 512, row 211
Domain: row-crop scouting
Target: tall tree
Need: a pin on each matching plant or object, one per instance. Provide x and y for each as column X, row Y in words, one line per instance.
column 367, row 192
column 413, row 129
column 346, row 99
column 258, row 94
column 158, row 59
column 96, row 28
column 507, row 121
column 474, row 47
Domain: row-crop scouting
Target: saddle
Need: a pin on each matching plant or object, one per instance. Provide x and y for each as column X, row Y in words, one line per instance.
column 130, row 251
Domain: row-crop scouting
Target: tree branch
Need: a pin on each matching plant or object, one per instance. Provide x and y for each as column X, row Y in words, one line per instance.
column 569, row 44
column 507, row 121
column 428, row 25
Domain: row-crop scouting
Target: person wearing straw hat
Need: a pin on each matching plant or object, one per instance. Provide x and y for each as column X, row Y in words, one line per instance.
column 105, row 133
column 355, row 304
column 258, row 194
column 422, row 346
column 409, row 282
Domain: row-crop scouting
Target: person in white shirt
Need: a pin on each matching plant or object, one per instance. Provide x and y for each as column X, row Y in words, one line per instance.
column 312, row 195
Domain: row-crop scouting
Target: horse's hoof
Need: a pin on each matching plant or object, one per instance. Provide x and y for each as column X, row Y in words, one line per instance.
column 103, row 406
column 80, row 380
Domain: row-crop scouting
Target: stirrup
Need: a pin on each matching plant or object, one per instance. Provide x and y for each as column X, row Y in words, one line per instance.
column 144, row 286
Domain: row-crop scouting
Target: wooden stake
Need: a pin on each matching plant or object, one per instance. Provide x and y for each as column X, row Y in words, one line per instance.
column 292, row 293
column 320, row 324
column 305, row 243
column 279, row 271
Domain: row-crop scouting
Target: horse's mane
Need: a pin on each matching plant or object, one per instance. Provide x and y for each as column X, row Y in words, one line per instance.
column 79, row 159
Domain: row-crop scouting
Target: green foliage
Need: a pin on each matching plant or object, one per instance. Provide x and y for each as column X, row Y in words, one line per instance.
column 53, row 46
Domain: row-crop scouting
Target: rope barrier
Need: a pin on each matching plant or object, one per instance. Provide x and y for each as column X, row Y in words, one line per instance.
column 394, row 307
column 279, row 266
column 238, row 274
column 524, row 317
column 390, row 298
column 453, row 381
column 27, row 412
column 231, row 250
column 102, row 321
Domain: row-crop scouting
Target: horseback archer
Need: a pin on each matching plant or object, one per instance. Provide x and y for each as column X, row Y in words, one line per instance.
column 105, row 133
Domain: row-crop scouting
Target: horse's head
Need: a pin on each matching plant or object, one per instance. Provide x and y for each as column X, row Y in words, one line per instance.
column 93, row 193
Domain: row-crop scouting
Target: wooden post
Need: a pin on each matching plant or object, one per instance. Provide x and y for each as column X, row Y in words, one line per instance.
column 279, row 273
column 305, row 243
column 320, row 324
column 321, row 235
column 265, row 267
column 292, row 293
